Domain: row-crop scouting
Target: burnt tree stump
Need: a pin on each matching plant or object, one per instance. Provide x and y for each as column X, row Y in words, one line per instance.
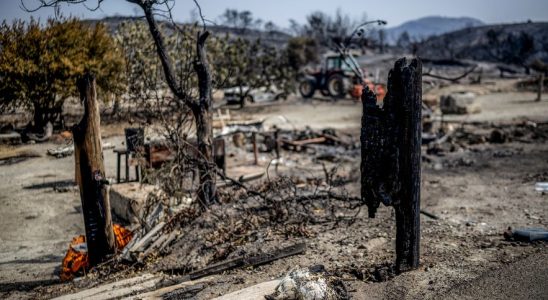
column 391, row 156
column 90, row 175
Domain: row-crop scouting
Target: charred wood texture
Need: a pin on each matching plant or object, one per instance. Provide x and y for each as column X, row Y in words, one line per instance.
column 90, row 176
column 391, row 156
column 204, row 128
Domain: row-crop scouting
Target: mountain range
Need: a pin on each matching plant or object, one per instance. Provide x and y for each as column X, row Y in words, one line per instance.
column 425, row 27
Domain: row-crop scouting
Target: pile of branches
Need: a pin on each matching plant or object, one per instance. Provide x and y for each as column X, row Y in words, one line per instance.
column 277, row 209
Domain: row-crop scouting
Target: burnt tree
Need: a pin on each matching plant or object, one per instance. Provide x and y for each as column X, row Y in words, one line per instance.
column 204, row 129
column 90, row 175
column 201, row 107
column 391, row 156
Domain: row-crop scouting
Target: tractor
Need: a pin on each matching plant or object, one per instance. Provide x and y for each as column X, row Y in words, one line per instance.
column 336, row 79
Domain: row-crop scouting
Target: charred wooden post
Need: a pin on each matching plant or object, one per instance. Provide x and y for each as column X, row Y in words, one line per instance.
column 90, row 176
column 391, row 156
column 204, row 127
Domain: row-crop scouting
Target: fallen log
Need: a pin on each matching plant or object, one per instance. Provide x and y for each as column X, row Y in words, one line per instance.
column 240, row 262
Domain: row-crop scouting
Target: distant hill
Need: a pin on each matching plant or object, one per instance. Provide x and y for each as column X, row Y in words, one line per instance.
column 273, row 38
column 428, row 26
column 527, row 41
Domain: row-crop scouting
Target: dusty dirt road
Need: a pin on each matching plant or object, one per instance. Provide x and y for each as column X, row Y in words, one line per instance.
column 521, row 280
column 37, row 221
column 475, row 202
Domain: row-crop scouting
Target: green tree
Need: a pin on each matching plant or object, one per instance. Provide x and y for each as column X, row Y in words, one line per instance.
column 39, row 65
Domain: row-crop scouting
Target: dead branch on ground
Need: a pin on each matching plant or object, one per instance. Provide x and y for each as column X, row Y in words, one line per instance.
column 452, row 79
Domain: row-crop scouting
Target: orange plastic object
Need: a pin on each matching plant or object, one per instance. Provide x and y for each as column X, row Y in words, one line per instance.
column 76, row 259
column 379, row 90
column 123, row 236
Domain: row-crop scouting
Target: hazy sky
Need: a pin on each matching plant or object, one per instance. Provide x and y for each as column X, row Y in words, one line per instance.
column 280, row 11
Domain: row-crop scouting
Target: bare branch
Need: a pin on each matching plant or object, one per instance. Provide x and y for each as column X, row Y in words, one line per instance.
column 162, row 53
column 200, row 13
column 452, row 79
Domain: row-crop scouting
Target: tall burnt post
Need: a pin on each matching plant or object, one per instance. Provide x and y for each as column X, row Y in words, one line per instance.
column 391, row 156
column 90, row 176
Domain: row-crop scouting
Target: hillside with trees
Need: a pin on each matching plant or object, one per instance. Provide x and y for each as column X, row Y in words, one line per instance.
column 521, row 44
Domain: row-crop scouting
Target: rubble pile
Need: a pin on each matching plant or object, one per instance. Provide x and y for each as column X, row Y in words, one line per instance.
column 469, row 135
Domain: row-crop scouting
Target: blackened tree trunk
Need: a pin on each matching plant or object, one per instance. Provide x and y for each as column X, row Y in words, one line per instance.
column 201, row 109
column 391, row 156
column 204, row 129
column 90, row 176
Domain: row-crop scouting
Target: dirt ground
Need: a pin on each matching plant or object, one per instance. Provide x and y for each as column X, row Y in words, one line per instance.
column 477, row 191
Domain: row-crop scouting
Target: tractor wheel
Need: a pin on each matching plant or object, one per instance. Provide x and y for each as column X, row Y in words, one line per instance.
column 337, row 86
column 307, row 88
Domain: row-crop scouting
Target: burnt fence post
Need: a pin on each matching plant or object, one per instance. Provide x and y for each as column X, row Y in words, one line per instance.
column 391, row 156
column 90, row 176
